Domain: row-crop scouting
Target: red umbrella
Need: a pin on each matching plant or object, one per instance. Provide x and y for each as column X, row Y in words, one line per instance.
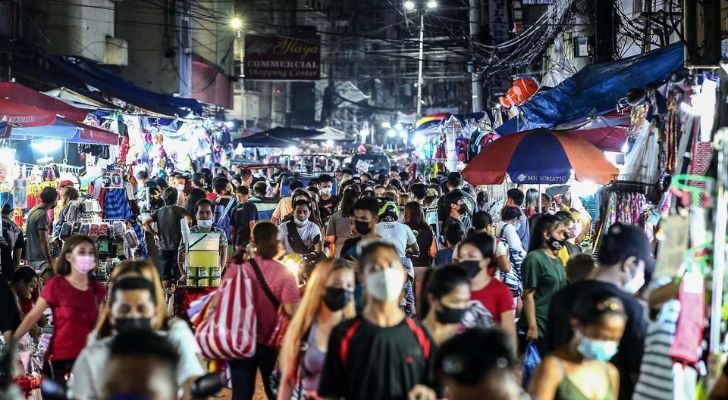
column 539, row 157
column 24, row 115
column 16, row 95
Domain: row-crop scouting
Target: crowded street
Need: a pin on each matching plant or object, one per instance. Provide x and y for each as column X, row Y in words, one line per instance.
column 376, row 199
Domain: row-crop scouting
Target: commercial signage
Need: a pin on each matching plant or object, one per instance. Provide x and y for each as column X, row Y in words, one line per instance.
column 282, row 58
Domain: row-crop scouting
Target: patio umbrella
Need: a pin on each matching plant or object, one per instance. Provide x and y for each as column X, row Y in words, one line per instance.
column 539, row 157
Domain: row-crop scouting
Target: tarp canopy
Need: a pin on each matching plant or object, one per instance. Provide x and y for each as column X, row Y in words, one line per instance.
column 263, row 140
column 76, row 99
column 288, row 133
column 594, row 90
column 331, row 133
column 23, row 106
column 70, row 131
column 92, row 74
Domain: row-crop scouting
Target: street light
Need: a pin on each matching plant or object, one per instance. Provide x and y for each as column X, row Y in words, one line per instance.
column 410, row 5
column 236, row 23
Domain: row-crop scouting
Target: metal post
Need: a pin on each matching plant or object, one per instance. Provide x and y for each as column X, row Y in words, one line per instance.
column 719, row 238
column 477, row 87
column 243, row 103
column 420, row 64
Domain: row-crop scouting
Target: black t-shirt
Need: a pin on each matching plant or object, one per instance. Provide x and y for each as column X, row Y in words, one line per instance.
column 425, row 236
column 629, row 356
column 348, row 249
column 242, row 216
column 365, row 361
column 9, row 312
column 327, row 207
column 12, row 240
column 169, row 227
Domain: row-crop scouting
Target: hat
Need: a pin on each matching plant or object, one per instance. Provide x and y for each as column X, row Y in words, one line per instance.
column 623, row 241
column 65, row 183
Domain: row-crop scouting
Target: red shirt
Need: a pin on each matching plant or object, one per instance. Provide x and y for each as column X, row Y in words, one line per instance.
column 284, row 286
column 496, row 297
column 74, row 315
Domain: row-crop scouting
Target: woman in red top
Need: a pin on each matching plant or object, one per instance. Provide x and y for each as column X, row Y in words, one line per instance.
column 475, row 254
column 74, row 299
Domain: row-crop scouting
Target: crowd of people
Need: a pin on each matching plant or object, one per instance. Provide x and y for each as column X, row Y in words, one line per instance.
column 408, row 288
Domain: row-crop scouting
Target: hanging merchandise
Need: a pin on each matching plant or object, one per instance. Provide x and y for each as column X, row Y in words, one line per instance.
column 522, row 90
column 641, row 163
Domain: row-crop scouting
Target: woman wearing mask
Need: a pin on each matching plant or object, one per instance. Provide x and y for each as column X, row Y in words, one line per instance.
column 339, row 228
column 87, row 380
column 196, row 194
column 414, row 217
column 446, row 300
column 543, row 275
column 68, row 194
column 580, row 370
column 531, row 204
column 74, row 299
column 508, row 233
column 475, row 254
column 328, row 301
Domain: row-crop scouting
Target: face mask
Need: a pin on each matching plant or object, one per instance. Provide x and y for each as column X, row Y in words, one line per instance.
column 337, row 298
column 326, row 191
column 555, row 244
column 180, row 188
column 123, row 325
column 598, row 350
column 84, row 264
column 447, row 315
column 463, row 209
column 204, row 223
column 300, row 222
column 575, row 230
column 634, row 282
column 362, row 227
column 471, row 267
column 385, row 285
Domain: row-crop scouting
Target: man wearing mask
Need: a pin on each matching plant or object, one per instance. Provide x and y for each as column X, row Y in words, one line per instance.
column 454, row 184
column 204, row 225
column 516, row 199
column 38, row 254
column 382, row 335
column 459, row 211
column 169, row 220
column 625, row 266
column 364, row 221
column 132, row 308
column 328, row 201
column 301, row 236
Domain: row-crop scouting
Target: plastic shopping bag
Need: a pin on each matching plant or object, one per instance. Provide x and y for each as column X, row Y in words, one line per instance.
column 531, row 360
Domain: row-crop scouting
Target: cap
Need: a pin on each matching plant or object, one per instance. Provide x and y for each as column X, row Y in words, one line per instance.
column 65, row 183
column 623, row 241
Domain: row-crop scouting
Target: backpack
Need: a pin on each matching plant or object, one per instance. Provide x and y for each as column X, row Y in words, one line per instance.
column 222, row 218
column 422, row 339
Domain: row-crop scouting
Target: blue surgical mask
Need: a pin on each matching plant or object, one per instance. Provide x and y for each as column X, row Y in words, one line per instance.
column 598, row 350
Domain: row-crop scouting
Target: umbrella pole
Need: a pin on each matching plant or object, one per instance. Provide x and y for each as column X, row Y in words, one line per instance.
column 540, row 203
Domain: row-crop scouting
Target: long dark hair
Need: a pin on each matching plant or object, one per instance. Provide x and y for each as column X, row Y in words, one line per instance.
column 348, row 198
column 439, row 282
column 63, row 267
column 483, row 242
column 592, row 307
column 417, row 216
column 544, row 223
column 532, row 199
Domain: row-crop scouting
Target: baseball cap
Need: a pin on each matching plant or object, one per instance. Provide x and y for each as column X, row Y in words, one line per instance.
column 623, row 241
column 65, row 183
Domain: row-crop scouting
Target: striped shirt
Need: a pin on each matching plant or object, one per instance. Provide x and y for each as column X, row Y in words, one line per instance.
column 656, row 378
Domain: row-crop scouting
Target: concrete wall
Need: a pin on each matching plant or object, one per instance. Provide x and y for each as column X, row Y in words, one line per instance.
column 80, row 27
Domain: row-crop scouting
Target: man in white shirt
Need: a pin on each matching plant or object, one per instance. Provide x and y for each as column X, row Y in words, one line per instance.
column 301, row 236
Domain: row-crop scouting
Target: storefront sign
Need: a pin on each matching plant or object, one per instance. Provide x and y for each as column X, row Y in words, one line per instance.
column 282, row 58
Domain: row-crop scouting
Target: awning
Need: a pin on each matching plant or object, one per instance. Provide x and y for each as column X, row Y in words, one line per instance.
column 263, row 140
column 90, row 73
column 289, row 133
column 76, row 99
column 24, row 106
column 70, row 131
column 595, row 90
column 331, row 133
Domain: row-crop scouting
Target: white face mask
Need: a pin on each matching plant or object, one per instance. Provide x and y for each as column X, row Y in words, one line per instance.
column 180, row 188
column 204, row 223
column 634, row 282
column 385, row 285
column 325, row 191
column 300, row 222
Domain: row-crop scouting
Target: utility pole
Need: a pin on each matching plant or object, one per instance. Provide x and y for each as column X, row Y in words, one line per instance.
column 420, row 64
column 647, row 34
column 475, row 76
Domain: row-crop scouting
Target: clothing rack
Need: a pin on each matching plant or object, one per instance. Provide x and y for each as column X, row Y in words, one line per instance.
column 631, row 187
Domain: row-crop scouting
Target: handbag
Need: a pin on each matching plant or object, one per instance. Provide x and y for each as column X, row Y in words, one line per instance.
column 225, row 327
column 282, row 319
column 531, row 360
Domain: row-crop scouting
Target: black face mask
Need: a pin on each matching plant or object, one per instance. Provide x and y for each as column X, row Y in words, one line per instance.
column 362, row 227
column 337, row 298
column 123, row 325
column 555, row 244
column 463, row 210
column 447, row 315
column 471, row 267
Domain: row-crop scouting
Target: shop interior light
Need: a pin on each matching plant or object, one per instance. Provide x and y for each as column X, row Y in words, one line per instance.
column 386, row 125
column 292, row 150
column 391, row 133
column 46, row 145
column 418, row 139
column 432, row 4
column 229, row 124
column 330, row 143
column 398, row 127
column 409, row 5
column 7, row 155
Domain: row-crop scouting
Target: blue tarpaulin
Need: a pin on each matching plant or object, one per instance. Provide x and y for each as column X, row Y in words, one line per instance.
column 93, row 74
column 594, row 90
